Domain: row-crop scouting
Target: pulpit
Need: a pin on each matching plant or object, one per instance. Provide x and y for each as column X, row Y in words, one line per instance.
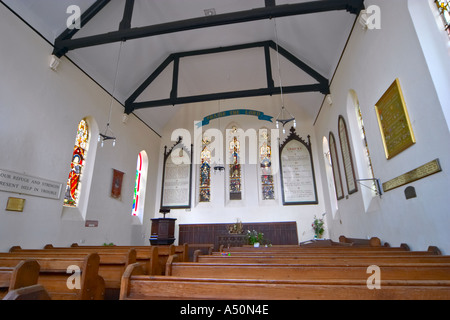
column 163, row 231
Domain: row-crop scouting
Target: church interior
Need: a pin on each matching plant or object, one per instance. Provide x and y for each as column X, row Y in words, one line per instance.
column 203, row 124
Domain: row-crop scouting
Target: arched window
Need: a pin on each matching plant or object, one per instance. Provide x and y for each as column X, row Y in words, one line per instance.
column 334, row 162
column 362, row 135
column 74, row 182
column 347, row 156
column 205, row 172
column 235, row 169
column 140, row 186
column 329, row 173
column 444, row 10
column 265, row 164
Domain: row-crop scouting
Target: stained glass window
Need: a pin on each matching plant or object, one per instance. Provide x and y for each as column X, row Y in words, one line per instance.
column 73, row 187
column 139, row 186
column 265, row 158
column 444, row 10
column 235, row 168
column 205, row 172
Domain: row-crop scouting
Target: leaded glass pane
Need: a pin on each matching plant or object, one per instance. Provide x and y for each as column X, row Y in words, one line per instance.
column 73, row 187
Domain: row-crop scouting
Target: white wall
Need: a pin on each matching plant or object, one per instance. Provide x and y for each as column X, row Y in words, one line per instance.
column 40, row 111
column 373, row 60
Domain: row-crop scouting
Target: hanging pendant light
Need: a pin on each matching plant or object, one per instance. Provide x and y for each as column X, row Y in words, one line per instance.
column 108, row 134
column 284, row 117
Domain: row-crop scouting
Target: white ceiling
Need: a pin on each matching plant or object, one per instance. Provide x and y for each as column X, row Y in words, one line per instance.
column 316, row 39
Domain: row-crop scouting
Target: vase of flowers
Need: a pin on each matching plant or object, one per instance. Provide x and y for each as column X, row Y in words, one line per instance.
column 255, row 238
column 318, row 226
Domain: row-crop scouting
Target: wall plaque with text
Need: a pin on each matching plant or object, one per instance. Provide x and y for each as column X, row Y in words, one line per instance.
column 422, row 172
column 24, row 184
column 177, row 178
column 298, row 183
column 394, row 122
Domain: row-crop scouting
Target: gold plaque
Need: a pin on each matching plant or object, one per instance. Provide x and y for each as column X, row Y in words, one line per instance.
column 414, row 175
column 394, row 122
column 15, row 204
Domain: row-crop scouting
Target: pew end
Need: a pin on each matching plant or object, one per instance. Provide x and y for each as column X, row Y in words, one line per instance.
column 35, row 292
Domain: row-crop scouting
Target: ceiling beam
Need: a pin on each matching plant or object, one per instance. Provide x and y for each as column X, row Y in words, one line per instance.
column 228, row 95
column 127, row 15
column 62, row 46
column 322, row 86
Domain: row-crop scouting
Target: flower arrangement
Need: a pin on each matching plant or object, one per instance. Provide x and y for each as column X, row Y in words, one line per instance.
column 318, row 227
column 255, row 237
column 236, row 228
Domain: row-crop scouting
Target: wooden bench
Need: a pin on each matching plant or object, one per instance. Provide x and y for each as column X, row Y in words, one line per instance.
column 328, row 252
column 136, row 286
column 24, row 274
column 322, row 249
column 35, row 292
column 420, row 271
column 372, row 242
column 338, row 260
column 111, row 267
column 142, row 252
column 54, row 276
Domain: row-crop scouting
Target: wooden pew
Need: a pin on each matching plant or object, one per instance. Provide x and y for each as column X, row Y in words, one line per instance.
column 327, row 252
column 35, row 292
column 142, row 252
column 136, row 286
column 111, row 267
column 339, row 249
column 24, row 274
column 421, row 271
column 372, row 242
column 54, row 276
column 337, row 260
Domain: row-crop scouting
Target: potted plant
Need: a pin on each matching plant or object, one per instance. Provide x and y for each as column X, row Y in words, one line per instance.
column 255, row 238
column 318, row 227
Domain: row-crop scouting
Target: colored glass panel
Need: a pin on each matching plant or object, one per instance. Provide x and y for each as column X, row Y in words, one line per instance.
column 205, row 174
column 235, row 170
column 444, row 10
column 265, row 157
column 137, row 186
column 72, row 194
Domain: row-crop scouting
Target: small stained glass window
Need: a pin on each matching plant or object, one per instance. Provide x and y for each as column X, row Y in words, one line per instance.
column 137, row 186
column 444, row 10
column 140, row 186
column 77, row 165
column 265, row 158
column 235, row 168
column 205, row 173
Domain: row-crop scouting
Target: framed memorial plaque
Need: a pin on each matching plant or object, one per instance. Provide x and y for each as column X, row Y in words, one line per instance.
column 394, row 122
column 298, row 182
column 177, row 177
